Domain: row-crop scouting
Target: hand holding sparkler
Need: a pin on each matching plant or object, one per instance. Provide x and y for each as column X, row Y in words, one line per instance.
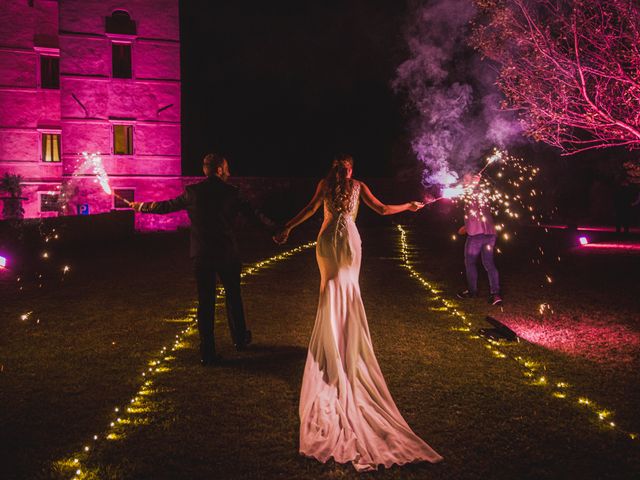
column 414, row 206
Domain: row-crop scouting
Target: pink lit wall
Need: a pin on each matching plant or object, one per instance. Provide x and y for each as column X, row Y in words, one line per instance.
column 26, row 32
column 91, row 101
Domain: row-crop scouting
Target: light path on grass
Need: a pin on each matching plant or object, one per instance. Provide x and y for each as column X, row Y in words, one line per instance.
column 532, row 369
column 144, row 402
column 126, row 416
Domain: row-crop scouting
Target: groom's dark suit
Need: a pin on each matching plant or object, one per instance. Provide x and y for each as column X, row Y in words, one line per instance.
column 212, row 206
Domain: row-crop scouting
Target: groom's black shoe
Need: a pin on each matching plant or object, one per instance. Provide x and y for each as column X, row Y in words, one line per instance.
column 210, row 360
column 248, row 337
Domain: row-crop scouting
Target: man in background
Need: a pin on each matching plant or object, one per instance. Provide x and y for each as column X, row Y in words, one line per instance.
column 481, row 240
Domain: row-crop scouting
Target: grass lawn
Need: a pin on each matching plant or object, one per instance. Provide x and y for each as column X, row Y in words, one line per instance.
column 97, row 331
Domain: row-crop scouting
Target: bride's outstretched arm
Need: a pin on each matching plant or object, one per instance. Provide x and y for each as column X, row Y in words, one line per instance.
column 380, row 208
column 303, row 215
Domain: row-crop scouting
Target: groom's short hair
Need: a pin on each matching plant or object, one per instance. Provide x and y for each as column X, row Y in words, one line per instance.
column 213, row 160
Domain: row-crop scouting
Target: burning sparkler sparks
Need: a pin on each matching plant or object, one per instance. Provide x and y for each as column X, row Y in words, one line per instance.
column 495, row 156
column 507, row 195
column 544, row 308
column 453, row 192
column 92, row 164
column 480, row 194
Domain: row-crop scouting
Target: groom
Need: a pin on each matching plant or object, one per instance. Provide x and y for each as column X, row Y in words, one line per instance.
column 212, row 206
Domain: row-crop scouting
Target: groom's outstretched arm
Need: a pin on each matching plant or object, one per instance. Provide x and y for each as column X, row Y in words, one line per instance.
column 164, row 206
column 255, row 215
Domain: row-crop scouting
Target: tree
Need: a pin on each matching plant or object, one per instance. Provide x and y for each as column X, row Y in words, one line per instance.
column 12, row 206
column 571, row 68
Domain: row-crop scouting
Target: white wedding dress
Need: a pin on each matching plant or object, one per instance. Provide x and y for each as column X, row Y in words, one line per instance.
column 346, row 410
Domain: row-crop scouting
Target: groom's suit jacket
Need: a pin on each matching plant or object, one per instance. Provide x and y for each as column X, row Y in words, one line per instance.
column 212, row 206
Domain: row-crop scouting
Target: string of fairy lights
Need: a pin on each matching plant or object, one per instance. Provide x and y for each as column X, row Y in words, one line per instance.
column 505, row 205
column 130, row 414
column 536, row 372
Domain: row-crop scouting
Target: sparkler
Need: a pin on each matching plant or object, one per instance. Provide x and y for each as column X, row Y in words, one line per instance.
column 3, row 262
column 495, row 156
column 93, row 162
column 123, row 199
column 451, row 192
column 482, row 194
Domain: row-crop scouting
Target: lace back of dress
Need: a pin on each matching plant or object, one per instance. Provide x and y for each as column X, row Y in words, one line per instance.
column 338, row 208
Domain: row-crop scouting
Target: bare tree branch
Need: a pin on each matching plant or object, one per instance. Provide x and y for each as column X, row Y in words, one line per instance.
column 571, row 68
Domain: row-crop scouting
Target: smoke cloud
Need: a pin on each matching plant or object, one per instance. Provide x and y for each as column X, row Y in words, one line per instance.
column 452, row 91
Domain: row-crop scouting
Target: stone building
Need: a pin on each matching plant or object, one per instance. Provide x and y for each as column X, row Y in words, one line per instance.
column 98, row 77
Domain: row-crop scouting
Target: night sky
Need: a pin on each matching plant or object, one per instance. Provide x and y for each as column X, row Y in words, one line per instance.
column 280, row 87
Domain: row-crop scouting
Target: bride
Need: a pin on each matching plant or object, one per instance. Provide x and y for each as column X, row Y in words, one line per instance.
column 346, row 410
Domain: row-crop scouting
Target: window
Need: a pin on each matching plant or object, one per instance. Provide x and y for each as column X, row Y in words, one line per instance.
column 49, row 202
column 121, row 60
column 49, row 71
column 124, row 193
column 51, row 147
column 120, row 23
column 123, row 139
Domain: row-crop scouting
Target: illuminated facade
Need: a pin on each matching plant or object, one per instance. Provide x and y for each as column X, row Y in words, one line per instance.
column 91, row 76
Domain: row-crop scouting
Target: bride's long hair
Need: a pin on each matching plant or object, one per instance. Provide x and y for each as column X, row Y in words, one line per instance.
column 339, row 187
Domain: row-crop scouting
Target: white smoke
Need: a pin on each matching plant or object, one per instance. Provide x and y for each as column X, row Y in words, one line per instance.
column 452, row 92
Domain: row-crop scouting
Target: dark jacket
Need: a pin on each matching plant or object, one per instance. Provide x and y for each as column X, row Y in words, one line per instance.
column 212, row 206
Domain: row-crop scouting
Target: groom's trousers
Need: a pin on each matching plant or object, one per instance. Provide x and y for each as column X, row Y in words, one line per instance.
column 228, row 271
